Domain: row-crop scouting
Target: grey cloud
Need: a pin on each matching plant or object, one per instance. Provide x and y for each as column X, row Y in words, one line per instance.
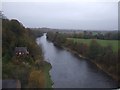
column 91, row 15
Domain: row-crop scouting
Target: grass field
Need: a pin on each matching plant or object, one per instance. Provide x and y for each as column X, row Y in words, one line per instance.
column 113, row 43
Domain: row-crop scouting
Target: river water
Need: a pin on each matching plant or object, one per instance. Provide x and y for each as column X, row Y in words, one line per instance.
column 69, row 71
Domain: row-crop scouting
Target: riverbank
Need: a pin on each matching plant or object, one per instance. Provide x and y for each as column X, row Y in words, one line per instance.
column 103, row 57
column 47, row 69
column 100, row 66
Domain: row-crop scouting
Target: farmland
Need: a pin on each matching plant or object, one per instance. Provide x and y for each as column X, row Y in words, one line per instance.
column 113, row 43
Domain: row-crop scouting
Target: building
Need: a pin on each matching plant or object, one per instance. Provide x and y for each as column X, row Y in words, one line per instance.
column 20, row 51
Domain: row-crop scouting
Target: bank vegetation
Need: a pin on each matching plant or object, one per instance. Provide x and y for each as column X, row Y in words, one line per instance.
column 104, row 57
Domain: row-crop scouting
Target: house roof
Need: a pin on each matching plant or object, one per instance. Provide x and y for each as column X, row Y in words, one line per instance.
column 22, row 49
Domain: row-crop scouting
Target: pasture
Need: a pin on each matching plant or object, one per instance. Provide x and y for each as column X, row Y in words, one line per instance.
column 113, row 43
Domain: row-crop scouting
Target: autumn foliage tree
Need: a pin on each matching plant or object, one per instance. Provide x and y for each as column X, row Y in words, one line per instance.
column 94, row 50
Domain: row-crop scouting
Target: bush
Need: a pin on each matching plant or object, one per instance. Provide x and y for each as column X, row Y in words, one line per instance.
column 36, row 79
column 94, row 50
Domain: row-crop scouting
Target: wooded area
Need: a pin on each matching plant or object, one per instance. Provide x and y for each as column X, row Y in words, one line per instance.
column 31, row 70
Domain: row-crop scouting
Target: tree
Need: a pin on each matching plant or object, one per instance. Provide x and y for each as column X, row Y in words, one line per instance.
column 94, row 50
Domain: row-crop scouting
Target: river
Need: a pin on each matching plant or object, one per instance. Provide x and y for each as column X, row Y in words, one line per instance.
column 69, row 71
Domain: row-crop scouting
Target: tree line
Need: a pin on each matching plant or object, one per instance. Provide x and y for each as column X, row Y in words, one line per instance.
column 108, row 35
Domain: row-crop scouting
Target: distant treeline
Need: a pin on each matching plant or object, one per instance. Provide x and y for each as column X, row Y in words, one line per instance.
column 105, row 57
column 110, row 35
column 86, row 34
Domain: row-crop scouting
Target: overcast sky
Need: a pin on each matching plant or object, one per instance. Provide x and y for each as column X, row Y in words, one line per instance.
column 64, row 14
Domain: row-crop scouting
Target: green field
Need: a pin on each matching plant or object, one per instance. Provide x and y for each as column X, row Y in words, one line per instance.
column 113, row 43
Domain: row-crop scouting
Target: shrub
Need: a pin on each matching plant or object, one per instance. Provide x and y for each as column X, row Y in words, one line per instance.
column 94, row 50
column 36, row 79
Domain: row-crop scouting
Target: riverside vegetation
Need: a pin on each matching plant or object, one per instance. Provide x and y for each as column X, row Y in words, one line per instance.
column 31, row 70
column 106, row 57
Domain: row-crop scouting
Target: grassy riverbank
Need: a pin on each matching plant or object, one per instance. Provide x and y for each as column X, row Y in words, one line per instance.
column 112, row 69
column 47, row 75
